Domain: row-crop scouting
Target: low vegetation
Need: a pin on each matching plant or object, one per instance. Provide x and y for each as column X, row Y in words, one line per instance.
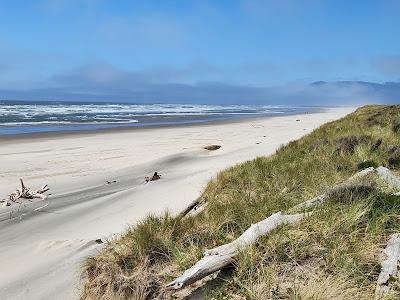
column 333, row 254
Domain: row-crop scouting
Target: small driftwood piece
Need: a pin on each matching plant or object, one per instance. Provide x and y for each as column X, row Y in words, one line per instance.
column 212, row 147
column 155, row 177
column 25, row 193
column 222, row 256
column 192, row 206
column 389, row 259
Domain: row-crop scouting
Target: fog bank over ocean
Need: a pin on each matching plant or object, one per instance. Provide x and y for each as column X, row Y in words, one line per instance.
column 125, row 87
column 91, row 107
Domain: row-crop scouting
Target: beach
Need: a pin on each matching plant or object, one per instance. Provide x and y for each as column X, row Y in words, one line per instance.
column 41, row 251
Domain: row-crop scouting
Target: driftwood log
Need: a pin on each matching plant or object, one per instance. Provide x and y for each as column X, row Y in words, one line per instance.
column 321, row 198
column 383, row 174
column 389, row 259
column 222, row 256
column 25, row 193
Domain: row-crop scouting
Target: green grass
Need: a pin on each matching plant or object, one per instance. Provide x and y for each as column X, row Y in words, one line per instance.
column 331, row 255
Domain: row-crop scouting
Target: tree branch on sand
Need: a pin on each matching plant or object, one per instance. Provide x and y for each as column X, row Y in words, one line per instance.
column 25, row 193
column 222, row 256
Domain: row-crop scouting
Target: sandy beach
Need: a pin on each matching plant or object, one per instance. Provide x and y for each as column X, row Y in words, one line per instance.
column 41, row 250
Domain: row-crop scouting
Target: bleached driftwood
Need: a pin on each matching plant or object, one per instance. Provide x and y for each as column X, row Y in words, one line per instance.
column 383, row 174
column 388, row 177
column 24, row 193
column 321, row 198
column 220, row 257
column 390, row 257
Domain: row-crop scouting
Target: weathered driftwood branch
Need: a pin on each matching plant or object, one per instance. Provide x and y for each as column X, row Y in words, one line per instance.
column 390, row 257
column 220, row 257
column 383, row 174
column 192, row 206
column 189, row 208
column 24, row 193
column 321, row 198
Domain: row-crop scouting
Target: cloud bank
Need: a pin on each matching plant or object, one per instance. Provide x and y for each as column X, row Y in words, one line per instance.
column 105, row 84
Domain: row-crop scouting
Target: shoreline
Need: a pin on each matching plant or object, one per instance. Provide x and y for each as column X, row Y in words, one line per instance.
column 49, row 245
column 64, row 133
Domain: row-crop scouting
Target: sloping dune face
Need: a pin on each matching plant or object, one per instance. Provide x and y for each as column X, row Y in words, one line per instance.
column 331, row 254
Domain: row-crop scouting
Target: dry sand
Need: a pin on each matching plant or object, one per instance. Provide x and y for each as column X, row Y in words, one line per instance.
column 41, row 251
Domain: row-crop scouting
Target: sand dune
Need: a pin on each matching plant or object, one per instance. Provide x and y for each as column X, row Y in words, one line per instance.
column 40, row 251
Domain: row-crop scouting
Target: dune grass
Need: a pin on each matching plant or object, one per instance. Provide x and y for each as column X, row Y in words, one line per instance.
column 331, row 255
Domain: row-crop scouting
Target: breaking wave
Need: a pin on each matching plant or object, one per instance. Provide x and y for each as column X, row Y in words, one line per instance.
column 25, row 116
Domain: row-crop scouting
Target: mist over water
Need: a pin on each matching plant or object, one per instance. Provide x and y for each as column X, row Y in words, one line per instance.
column 20, row 117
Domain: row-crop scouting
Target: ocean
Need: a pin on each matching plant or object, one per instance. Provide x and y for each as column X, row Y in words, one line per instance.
column 24, row 117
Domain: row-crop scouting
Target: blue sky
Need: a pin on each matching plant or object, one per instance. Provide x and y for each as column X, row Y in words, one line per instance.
column 200, row 51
